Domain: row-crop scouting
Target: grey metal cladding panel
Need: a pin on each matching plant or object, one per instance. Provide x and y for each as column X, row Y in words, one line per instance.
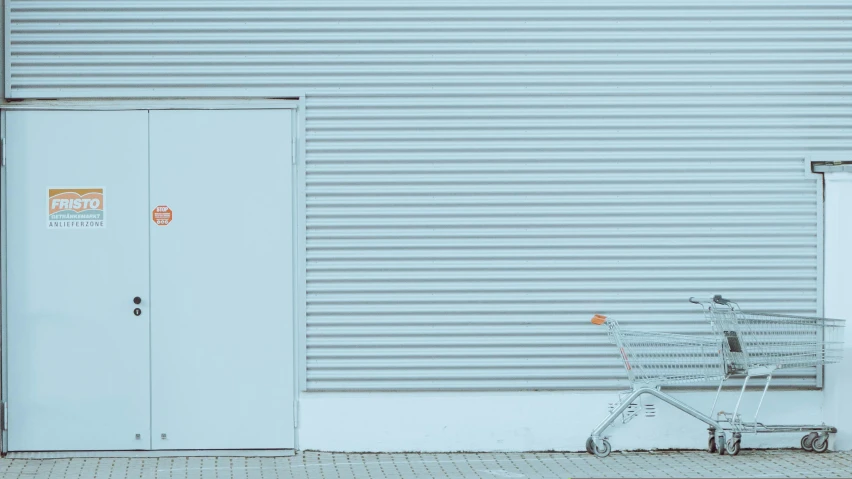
column 95, row 48
column 483, row 176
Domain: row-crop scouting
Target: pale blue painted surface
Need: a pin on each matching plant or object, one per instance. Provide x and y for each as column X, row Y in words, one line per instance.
column 78, row 356
column 222, row 371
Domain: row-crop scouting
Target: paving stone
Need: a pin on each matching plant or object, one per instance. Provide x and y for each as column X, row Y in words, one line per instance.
column 320, row 465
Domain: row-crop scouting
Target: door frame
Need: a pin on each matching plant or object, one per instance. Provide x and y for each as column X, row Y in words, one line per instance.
column 298, row 148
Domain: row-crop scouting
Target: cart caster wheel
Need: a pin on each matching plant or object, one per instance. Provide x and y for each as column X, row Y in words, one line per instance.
column 733, row 446
column 720, row 444
column 808, row 441
column 590, row 445
column 820, row 444
column 711, row 445
column 604, row 450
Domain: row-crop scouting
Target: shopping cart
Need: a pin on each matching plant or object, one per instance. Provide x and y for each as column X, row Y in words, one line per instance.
column 756, row 344
column 655, row 359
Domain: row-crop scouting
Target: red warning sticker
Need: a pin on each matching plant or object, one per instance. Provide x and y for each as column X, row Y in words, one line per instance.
column 162, row 215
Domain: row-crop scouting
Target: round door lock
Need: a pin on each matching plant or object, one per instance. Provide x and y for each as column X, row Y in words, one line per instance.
column 137, row 312
column 137, row 300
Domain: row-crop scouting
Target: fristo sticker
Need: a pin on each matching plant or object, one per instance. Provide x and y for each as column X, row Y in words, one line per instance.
column 75, row 208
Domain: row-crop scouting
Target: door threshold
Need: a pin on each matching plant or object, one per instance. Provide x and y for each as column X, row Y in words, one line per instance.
column 176, row 453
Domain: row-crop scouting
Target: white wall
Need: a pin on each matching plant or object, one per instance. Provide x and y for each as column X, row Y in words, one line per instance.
column 522, row 421
column 838, row 300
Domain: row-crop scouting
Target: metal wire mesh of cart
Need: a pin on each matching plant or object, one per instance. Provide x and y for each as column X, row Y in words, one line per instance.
column 655, row 358
column 758, row 339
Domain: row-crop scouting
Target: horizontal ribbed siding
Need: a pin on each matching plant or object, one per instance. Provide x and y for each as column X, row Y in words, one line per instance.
column 443, row 271
column 482, row 177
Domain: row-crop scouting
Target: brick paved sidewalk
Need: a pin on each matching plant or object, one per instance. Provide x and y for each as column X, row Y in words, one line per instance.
column 308, row 465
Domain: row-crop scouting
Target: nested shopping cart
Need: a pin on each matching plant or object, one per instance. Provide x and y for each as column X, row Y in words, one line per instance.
column 756, row 344
column 656, row 359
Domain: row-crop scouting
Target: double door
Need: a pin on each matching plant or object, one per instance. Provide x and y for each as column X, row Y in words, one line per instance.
column 150, row 280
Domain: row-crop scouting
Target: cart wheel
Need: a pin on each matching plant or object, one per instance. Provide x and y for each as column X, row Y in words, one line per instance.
column 711, row 445
column 604, row 450
column 590, row 445
column 820, row 444
column 733, row 447
column 808, row 441
column 720, row 444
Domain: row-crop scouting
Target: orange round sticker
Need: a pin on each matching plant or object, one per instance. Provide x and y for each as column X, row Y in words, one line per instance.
column 162, row 215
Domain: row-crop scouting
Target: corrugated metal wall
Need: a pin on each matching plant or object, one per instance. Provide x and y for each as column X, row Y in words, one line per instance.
column 482, row 176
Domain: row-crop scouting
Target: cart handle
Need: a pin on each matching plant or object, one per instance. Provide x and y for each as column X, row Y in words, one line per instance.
column 598, row 319
column 715, row 300
column 718, row 299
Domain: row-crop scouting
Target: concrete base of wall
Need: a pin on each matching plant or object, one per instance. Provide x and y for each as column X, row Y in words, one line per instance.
column 526, row 421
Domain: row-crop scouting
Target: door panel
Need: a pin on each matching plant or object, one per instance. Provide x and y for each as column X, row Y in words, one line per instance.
column 78, row 356
column 222, row 312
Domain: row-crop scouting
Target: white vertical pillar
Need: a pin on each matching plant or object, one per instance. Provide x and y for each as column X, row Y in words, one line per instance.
column 838, row 301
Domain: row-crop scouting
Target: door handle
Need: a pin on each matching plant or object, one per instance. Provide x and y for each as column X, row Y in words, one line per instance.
column 137, row 300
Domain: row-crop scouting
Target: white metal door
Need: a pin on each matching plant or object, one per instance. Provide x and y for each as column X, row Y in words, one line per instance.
column 78, row 354
column 221, row 266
